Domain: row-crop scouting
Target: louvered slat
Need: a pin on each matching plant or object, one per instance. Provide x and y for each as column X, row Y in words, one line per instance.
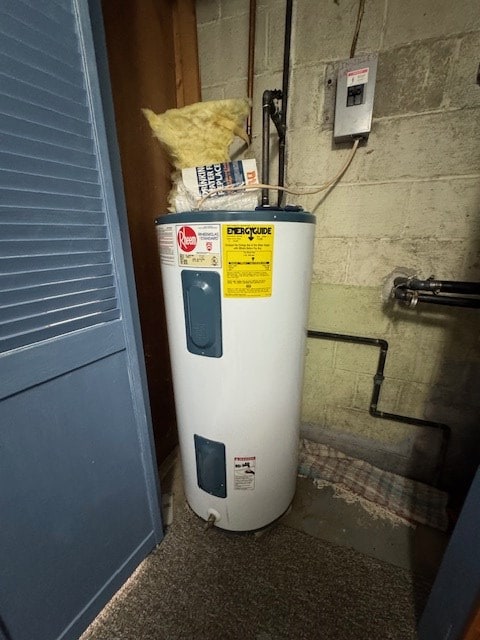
column 31, row 37
column 12, row 68
column 60, row 328
column 29, row 11
column 18, row 88
column 56, row 269
column 13, row 142
column 25, row 264
column 37, row 167
column 32, row 113
column 24, row 181
column 51, row 232
column 40, row 132
column 38, row 59
column 19, row 198
column 56, row 303
column 60, row 12
column 45, row 277
column 54, row 316
column 45, row 248
column 27, row 294
column 18, row 215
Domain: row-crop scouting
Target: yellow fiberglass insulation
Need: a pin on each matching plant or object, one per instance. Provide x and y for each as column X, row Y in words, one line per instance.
column 201, row 133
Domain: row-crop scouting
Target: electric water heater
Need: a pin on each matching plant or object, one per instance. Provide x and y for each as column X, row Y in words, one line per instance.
column 236, row 287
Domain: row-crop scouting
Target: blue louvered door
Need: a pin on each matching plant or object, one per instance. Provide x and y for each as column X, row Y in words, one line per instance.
column 78, row 495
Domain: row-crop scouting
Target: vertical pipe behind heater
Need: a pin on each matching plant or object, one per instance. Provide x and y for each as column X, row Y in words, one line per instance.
column 285, row 88
column 251, row 63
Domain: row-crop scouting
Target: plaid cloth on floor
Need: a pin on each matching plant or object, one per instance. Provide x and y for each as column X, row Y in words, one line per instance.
column 406, row 499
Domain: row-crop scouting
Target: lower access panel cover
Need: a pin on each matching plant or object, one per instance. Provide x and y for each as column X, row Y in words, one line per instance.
column 211, row 469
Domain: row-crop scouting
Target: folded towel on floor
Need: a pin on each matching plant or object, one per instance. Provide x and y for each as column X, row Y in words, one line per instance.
column 383, row 494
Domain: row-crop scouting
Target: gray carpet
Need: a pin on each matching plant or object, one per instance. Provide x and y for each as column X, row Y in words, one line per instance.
column 284, row 584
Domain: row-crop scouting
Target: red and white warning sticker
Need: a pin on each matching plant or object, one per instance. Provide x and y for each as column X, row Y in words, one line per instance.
column 244, row 472
column 359, row 76
column 199, row 245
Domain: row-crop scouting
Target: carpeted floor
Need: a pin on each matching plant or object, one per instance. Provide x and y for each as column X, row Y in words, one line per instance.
column 209, row 585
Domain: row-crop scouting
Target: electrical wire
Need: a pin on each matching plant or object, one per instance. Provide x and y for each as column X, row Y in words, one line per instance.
column 305, row 191
column 361, row 9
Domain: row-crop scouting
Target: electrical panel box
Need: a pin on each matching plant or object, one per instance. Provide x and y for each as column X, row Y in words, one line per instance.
column 354, row 98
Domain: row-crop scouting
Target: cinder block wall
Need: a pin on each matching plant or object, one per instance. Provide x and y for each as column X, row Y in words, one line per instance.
column 411, row 198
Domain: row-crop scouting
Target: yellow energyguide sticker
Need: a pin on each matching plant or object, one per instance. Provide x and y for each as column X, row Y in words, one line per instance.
column 247, row 260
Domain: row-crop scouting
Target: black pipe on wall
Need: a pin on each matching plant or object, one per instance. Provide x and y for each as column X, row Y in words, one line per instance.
column 269, row 110
column 438, row 286
column 412, row 298
column 285, row 87
column 450, row 293
column 377, row 385
column 266, row 106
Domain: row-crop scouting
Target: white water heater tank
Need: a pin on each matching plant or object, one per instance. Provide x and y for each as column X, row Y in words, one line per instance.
column 236, row 288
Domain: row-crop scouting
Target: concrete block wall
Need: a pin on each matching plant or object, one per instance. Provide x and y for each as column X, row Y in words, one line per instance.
column 411, row 198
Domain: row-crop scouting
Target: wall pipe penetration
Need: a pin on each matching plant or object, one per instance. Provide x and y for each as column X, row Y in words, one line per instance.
column 411, row 291
column 377, row 385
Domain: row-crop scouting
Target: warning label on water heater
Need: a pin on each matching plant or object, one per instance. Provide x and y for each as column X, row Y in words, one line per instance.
column 247, row 260
column 244, row 470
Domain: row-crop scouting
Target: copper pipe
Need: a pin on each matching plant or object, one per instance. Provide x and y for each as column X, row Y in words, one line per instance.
column 251, row 62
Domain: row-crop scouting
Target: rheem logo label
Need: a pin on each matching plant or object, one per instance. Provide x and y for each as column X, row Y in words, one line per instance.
column 187, row 239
